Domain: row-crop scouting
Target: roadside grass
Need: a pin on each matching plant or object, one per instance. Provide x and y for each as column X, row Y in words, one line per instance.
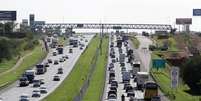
column 96, row 86
column 73, row 82
column 135, row 42
column 172, row 43
column 162, row 77
column 7, row 64
column 37, row 55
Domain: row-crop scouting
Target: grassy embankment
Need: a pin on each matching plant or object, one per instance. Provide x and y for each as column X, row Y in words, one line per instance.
column 37, row 55
column 135, row 42
column 172, row 43
column 72, row 84
column 7, row 64
column 97, row 82
column 163, row 78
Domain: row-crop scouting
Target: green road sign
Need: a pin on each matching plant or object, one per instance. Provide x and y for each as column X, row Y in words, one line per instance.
column 158, row 63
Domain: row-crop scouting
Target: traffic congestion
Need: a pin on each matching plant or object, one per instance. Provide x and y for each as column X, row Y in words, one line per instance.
column 125, row 80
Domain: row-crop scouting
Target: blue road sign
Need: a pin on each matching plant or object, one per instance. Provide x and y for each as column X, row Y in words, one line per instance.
column 196, row 12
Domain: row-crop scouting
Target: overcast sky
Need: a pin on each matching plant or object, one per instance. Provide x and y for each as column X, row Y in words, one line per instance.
column 107, row 11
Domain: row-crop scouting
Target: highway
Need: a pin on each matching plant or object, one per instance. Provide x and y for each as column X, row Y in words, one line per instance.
column 13, row 92
column 145, row 56
column 118, row 76
column 142, row 54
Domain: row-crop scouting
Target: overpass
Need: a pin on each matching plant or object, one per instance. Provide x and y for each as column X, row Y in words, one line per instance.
column 103, row 26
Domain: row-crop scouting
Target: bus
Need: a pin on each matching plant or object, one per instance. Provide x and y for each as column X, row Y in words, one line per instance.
column 151, row 90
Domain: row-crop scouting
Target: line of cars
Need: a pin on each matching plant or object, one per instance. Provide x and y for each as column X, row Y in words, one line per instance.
column 136, row 84
column 28, row 78
column 118, row 58
column 52, row 70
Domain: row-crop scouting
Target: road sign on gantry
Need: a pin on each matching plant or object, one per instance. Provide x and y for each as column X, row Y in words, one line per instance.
column 196, row 12
column 174, row 77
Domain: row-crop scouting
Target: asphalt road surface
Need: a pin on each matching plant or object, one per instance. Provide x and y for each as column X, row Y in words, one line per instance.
column 142, row 54
column 145, row 56
column 13, row 92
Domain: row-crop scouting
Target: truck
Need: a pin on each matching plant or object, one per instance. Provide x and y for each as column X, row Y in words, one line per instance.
column 135, row 67
column 30, row 74
column 54, row 42
column 23, row 81
column 73, row 42
column 40, row 69
column 151, row 91
column 121, row 58
column 119, row 43
column 60, row 50
column 126, row 76
column 141, row 78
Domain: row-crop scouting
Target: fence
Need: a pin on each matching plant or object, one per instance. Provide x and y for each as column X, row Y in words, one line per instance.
column 83, row 89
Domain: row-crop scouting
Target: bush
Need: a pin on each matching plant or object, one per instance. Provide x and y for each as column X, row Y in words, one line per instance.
column 191, row 73
column 152, row 47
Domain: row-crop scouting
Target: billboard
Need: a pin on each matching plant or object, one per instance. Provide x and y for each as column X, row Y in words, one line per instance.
column 174, row 77
column 184, row 21
column 8, row 15
column 196, row 12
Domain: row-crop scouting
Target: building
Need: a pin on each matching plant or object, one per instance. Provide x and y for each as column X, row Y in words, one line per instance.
column 24, row 26
column 31, row 19
column 25, row 22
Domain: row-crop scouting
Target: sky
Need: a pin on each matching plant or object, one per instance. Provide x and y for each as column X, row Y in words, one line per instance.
column 106, row 11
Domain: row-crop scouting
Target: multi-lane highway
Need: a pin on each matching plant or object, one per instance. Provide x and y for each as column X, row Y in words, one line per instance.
column 141, row 54
column 118, row 75
column 13, row 92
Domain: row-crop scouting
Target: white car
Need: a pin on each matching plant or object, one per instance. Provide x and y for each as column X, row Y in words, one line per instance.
column 23, row 97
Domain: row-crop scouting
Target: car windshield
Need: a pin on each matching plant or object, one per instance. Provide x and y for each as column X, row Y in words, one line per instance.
column 36, row 91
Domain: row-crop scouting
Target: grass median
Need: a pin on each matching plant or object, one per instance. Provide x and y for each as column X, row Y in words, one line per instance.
column 10, row 77
column 162, row 77
column 135, row 42
column 72, row 84
column 97, row 82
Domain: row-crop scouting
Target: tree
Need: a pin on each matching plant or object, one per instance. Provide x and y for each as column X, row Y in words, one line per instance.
column 191, row 73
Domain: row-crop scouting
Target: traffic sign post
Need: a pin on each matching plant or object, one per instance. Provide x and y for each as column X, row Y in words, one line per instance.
column 174, row 77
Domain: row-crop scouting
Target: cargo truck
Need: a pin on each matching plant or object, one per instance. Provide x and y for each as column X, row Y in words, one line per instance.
column 40, row 69
column 151, row 91
column 141, row 78
column 135, row 67
column 30, row 74
column 60, row 50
